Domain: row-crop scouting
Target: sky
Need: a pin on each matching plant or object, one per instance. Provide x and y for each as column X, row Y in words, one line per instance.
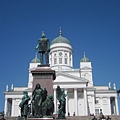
column 91, row 26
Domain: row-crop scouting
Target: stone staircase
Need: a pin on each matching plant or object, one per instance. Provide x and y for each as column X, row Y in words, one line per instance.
column 115, row 117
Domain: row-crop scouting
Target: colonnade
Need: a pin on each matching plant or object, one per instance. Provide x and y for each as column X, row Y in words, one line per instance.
column 75, row 92
column 9, row 107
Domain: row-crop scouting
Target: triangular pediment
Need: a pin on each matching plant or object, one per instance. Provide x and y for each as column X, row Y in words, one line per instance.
column 65, row 77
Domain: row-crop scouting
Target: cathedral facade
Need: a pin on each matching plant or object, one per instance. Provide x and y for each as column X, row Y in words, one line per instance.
column 83, row 97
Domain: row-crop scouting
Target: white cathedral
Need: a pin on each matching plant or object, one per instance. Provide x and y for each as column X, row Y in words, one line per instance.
column 83, row 99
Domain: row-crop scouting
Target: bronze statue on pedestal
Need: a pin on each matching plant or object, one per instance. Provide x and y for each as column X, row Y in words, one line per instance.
column 44, row 48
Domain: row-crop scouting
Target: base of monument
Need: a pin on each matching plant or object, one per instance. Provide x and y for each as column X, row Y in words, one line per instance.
column 40, row 118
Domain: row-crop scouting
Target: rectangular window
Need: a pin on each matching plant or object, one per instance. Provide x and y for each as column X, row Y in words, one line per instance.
column 96, row 100
column 97, row 112
column 51, row 59
column 65, row 60
column 55, row 60
column 70, row 61
column 60, row 60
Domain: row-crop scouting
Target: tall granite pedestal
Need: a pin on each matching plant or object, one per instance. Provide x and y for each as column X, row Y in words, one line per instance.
column 44, row 75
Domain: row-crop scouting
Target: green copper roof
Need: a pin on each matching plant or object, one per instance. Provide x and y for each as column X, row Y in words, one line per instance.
column 85, row 59
column 35, row 60
column 60, row 39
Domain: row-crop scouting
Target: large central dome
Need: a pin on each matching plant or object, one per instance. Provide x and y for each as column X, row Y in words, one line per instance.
column 60, row 39
column 61, row 53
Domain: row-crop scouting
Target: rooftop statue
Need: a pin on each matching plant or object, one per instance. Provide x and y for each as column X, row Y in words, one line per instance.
column 44, row 48
column 60, row 94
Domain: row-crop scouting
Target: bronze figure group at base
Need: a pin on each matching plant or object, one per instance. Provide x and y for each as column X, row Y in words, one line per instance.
column 42, row 105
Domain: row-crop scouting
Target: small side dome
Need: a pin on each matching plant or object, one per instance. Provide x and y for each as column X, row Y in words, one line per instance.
column 85, row 59
column 35, row 60
column 60, row 39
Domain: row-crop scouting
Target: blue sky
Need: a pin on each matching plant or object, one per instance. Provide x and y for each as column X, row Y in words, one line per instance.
column 92, row 26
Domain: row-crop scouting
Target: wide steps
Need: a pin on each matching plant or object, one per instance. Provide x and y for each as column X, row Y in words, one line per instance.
column 115, row 117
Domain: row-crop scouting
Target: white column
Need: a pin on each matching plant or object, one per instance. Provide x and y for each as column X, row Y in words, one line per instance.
column 109, row 105
column 93, row 104
column 5, row 107
column 116, row 106
column 85, row 102
column 13, row 106
column 55, row 102
column 101, row 104
column 76, row 102
column 66, row 102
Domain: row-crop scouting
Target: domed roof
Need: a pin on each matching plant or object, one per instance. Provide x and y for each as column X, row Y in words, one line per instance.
column 35, row 60
column 85, row 59
column 60, row 39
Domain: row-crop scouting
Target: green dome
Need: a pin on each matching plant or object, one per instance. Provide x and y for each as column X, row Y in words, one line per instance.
column 35, row 60
column 85, row 59
column 60, row 39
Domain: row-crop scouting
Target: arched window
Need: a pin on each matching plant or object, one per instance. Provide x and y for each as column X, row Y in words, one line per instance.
column 50, row 58
column 51, row 61
column 55, row 60
column 55, row 55
column 60, row 60
column 66, row 60
column 69, row 61
column 69, row 58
